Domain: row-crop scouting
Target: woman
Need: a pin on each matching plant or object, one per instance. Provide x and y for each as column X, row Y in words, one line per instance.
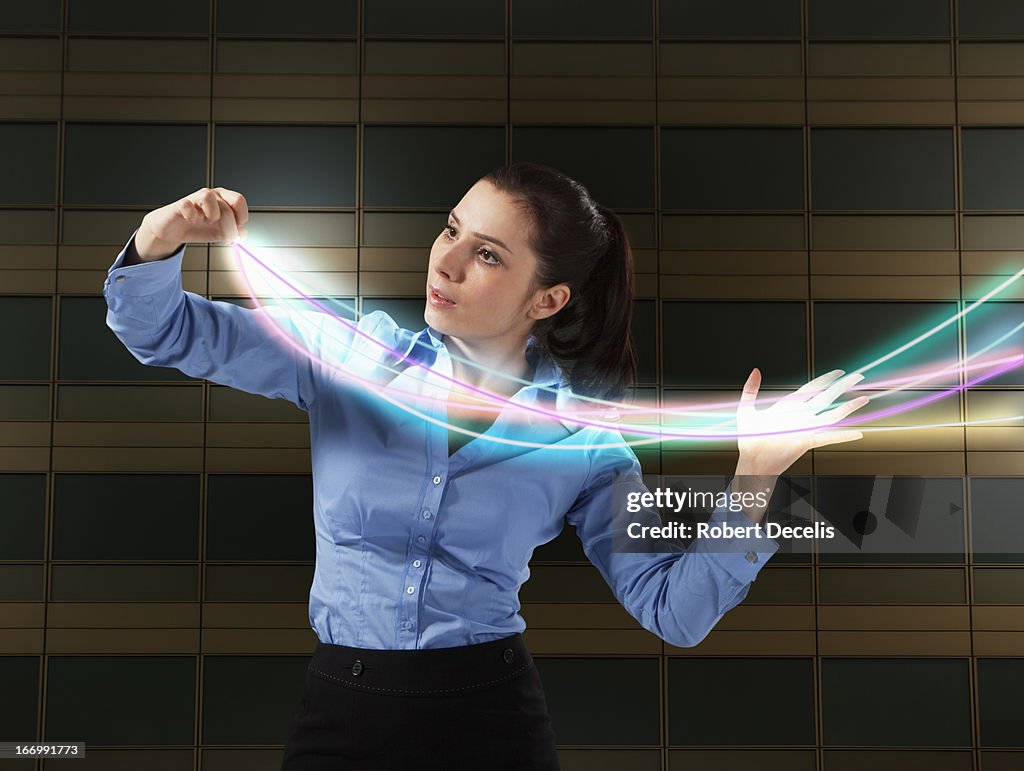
column 423, row 538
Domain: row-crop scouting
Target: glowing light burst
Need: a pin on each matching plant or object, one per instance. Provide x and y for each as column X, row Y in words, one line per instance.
column 486, row 401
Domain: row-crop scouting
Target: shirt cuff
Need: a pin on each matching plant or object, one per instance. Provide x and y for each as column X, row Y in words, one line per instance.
column 143, row 278
column 742, row 556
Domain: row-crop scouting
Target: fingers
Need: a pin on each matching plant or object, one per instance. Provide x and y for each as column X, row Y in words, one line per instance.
column 228, row 226
column 215, row 214
column 749, row 395
column 206, row 200
column 824, row 439
column 838, row 413
column 239, row 206
column 826, row 397
column 811, row 388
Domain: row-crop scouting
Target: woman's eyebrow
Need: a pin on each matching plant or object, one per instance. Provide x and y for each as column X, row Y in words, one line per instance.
column 481, row 235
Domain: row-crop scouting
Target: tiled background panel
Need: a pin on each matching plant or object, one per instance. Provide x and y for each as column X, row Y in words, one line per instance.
column 99, row 517
column 921, row 702
column 108, row 164
column 259, row 517
column 121, row 700
column 21, row 527
column 630, row 716
column 710, row 719
column 302, row 166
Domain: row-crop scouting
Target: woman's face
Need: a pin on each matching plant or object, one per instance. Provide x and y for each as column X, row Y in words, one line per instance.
column 482, row 263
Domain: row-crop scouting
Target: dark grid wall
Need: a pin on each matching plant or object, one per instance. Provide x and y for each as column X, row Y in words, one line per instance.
column 806, row 183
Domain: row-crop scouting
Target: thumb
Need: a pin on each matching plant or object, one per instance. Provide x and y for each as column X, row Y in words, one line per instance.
column 749, row 395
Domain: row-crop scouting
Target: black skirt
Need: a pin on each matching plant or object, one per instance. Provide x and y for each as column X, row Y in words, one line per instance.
column 473, row 708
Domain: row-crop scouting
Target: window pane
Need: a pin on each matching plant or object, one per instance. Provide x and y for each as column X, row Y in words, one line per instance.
column 623, row 178
column 115, row 516
column 732, row 168
column 25, row 337
column 730, row 17
column 304, row 17
column 892, row 586
column 734, row 338
column 699, row 721
column 428, row 166
column 236, row 713
column 878, row 17
column 21, row 583
column 128, row 16
column 879, row 701
column 89, row 349
column 582, row 18
column 993, row 164
column 991, row 17
column 288, row 165
column 999, row 586
column 999, row 325
column 627, row 689
column 39, row 16
column 28, row 176
column 259, row 517
column 448, row 18
column 996, row 521
column 131, row 699
column 131, row 583
column 848, row 335
column 130, row 164
column 258, row 583
column 20, row 676
column 882, row 169
column 24, row 512
column 1000, row 682
column 25, row 402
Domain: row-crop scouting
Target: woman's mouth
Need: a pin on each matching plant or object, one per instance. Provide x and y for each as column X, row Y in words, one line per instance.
column 439, row 300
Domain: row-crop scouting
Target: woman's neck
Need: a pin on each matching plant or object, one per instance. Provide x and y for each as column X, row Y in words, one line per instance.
column 507, row 362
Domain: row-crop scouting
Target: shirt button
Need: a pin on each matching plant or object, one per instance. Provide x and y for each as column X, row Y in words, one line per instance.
column 416, row 563
column 751, row 556
column 410, row 590
column 421, row 539
column 437, row 480
column 426, row 515
column 407, row 625
column 357, row 668
column 119, row 278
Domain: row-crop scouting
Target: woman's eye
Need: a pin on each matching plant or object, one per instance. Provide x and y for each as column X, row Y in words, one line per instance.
column 491, row 258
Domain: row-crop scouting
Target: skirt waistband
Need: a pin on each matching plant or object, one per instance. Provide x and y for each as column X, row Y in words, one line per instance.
column 427, row 672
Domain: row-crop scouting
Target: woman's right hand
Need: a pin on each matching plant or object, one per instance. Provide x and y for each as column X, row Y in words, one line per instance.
column 209, row 215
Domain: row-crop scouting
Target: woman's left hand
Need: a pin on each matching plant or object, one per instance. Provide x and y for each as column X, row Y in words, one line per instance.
column 768, row 456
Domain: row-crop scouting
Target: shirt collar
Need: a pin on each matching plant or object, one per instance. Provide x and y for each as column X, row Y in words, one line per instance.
column 546, row 371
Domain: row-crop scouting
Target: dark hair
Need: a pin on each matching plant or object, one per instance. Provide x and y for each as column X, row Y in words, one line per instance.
column 580, row 243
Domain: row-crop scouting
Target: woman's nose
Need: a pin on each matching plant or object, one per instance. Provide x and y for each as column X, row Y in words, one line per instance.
column 450, row 264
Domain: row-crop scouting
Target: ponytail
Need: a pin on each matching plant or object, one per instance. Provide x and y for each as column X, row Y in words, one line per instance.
column 584, row 245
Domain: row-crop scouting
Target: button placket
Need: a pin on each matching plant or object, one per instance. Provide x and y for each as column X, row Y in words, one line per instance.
column 425, row 519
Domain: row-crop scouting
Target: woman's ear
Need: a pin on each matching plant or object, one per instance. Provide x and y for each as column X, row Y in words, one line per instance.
column 548, row 302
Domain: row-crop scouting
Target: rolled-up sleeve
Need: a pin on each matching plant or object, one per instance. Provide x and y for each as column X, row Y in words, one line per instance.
column 677, row 594
column 163, row 325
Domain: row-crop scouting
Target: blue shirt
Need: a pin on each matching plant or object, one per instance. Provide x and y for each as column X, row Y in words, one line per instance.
column 416, row 549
